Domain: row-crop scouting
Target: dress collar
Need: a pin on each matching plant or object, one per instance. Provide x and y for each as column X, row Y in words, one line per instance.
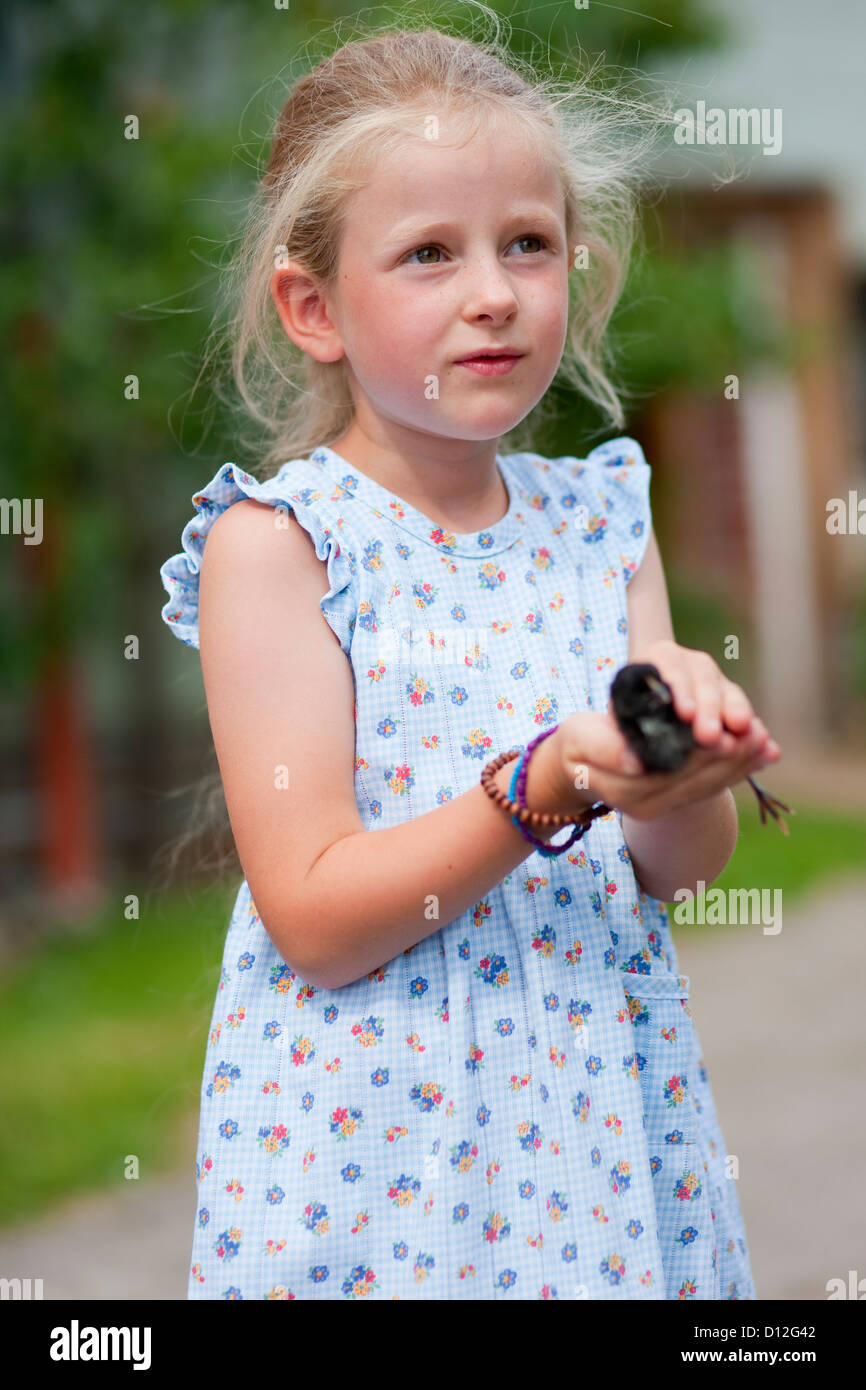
column 490, row 541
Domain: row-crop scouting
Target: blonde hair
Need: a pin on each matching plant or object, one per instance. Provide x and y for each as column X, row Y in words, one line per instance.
column 359, row 103
column 366, row 98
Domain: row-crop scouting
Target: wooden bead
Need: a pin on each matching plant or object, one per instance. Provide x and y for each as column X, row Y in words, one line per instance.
column 522, row 814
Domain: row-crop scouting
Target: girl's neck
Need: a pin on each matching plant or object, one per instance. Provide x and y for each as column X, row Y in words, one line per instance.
column 469, row 497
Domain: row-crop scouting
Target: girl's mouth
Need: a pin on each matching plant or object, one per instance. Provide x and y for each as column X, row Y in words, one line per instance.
column 489, row 366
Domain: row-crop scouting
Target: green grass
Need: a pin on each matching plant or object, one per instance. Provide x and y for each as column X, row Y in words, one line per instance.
column 102, row 1040
column 821, row 844
column 102, row 1036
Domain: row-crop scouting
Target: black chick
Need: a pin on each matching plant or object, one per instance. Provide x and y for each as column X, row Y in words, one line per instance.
column 643, row 706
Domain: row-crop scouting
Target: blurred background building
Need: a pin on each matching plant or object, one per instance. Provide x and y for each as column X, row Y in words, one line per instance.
column 753, row 482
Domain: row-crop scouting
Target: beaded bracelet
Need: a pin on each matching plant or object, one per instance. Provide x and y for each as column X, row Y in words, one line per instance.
column 517, row 793
column 540, row 845
column 519, row 811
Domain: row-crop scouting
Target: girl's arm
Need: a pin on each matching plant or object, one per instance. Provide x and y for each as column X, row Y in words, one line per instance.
column 695, row 841
column 336, row 900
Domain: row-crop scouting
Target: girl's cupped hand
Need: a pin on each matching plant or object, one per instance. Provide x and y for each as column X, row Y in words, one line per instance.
column 732, row 742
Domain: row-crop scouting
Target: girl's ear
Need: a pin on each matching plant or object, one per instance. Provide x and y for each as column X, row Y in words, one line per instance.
column 304, row 314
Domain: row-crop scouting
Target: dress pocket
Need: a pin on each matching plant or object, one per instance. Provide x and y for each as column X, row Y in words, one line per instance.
column 666, row 1061
column 660, row 1014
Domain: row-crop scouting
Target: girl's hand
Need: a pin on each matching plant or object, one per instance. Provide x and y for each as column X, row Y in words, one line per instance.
column 704, row 696
column 597, row 765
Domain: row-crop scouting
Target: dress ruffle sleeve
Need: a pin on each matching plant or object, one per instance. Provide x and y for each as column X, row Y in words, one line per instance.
column 180, row 573
column 613, row 483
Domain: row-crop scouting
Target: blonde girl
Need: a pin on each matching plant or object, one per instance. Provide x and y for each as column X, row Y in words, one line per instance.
column 451, row 1054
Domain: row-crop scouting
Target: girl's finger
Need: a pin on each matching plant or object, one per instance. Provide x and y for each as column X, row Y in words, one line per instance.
column 722, row 758
column 707, row 724
column 736, row 712
column 726, row 772
column 678, row 674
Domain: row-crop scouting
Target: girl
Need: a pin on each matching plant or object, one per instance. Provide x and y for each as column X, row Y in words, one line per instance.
column 451, row 1053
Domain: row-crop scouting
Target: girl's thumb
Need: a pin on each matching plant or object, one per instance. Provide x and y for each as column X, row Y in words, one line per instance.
column 596, row 740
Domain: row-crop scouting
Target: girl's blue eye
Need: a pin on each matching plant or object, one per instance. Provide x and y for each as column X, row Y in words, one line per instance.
column 530, row 236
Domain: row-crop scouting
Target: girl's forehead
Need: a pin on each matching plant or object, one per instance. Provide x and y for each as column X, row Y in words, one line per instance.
column 462, row 165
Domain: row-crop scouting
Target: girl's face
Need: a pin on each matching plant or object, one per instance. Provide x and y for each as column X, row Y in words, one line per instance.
column 447, row 252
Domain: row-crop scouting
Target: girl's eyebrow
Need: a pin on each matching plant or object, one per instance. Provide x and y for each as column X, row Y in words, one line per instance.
column 408, row 231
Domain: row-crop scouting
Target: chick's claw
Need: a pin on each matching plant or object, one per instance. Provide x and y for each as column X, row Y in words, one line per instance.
column 771, row 805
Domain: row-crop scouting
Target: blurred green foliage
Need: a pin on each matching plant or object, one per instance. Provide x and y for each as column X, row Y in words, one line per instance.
column 111, row 255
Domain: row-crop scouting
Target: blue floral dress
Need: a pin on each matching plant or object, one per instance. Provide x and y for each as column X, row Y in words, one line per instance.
column 517, row 1107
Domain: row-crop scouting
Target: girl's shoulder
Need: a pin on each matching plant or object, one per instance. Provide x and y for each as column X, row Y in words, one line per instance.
column 298, row 488
column 604, row 496
column 618, row 461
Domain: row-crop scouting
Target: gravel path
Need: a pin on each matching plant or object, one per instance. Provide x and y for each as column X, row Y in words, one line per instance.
column 782, row 1024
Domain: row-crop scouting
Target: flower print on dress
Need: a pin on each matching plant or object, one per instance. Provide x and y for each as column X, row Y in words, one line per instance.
column 402, row 1191
column 400, row 779
column 463, row 1155
column 633, row 1064
column 418, row 691
column 545, row 942
column 303, row 1051
column 496, row 1227
column 493, row 970
column 620, row 1177
column 315, row 1218
column 539, row 925
column 424, row 595
column 557, row 1206
column 638, row 964
column 368, row 1031
column 423, row 1266
column 345, row 1120
column 638, row 1012
column 579, row 1011
column 530, row 1136
column 274, row 1139
column 545, row 711
column 228, row 1243
column 225, row 1076
column 675, row 1090
column 613, row 1268
column 687, row 1187
column 428, row 1095
column 595, row 529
